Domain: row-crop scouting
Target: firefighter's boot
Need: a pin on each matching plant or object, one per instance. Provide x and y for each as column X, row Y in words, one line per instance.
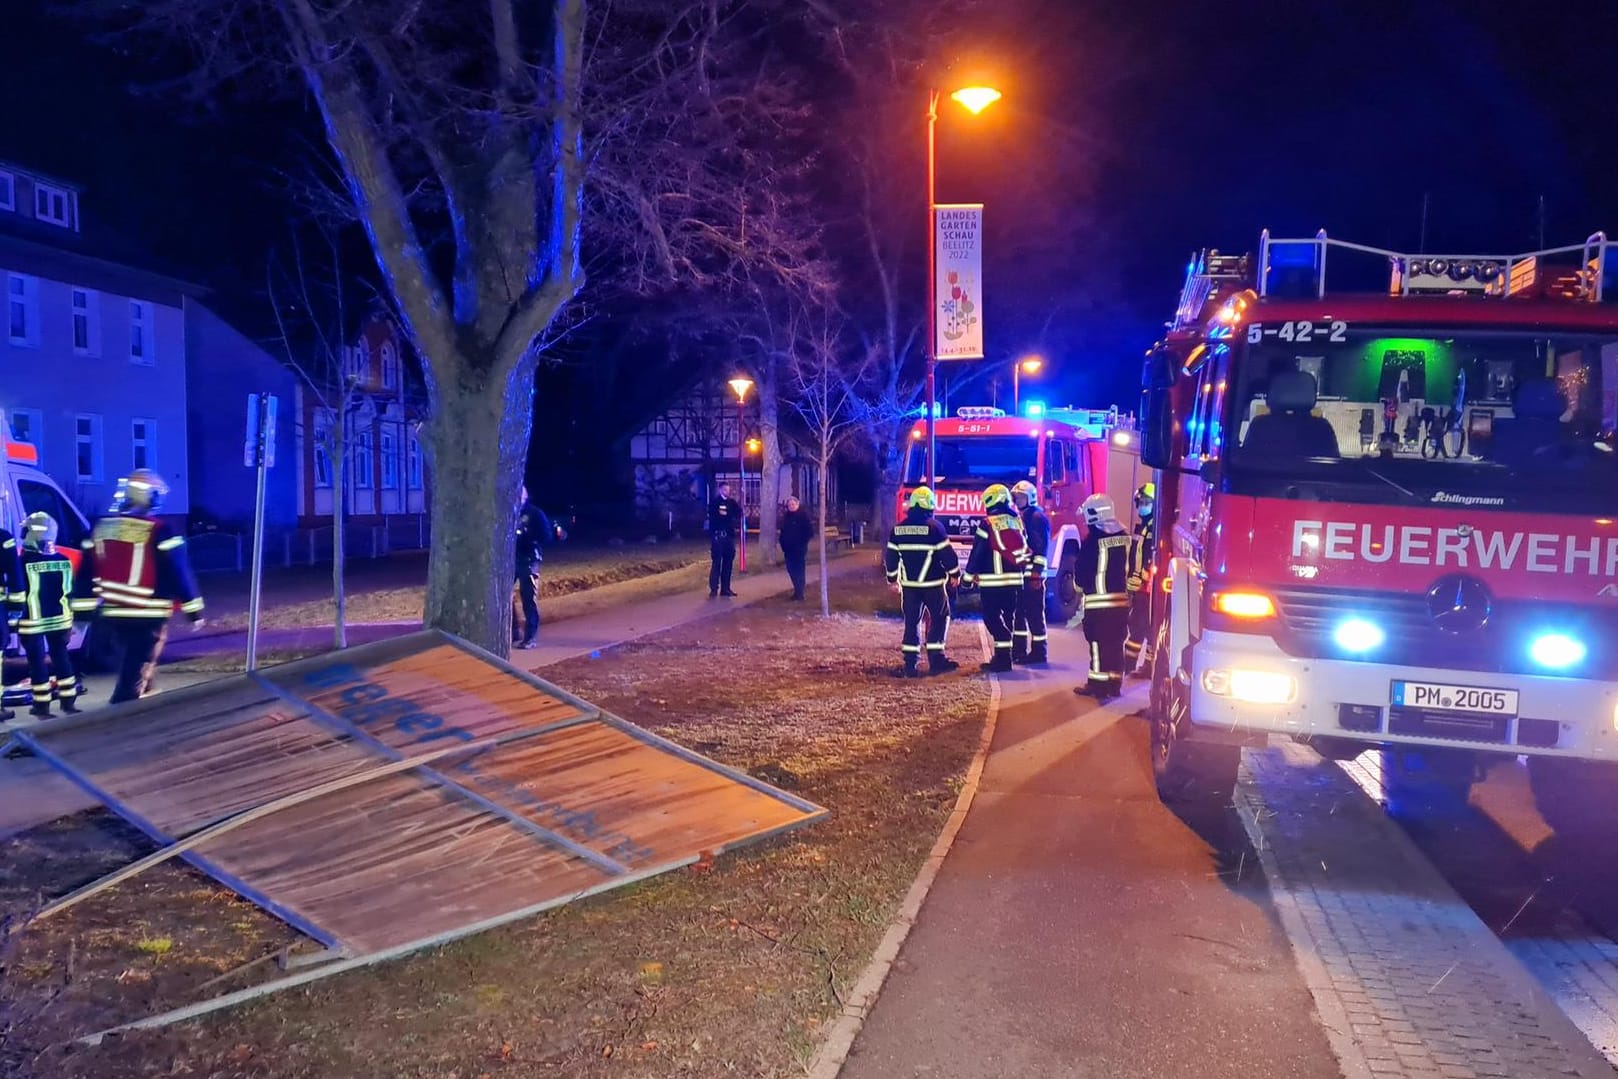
column 941, row 665
column 41, row 709
column 1037, row 656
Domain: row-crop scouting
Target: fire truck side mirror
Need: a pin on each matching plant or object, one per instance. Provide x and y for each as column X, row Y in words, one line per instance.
column 1157, row 414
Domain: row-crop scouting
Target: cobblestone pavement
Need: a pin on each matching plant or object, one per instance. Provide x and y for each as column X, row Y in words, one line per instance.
column 1405, row 977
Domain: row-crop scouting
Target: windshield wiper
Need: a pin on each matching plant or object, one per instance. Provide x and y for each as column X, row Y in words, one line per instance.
column 1397, row 487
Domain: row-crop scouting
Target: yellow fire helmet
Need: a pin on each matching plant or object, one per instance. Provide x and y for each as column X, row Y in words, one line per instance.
column 922, row 498
column 996, row 495
column 1147, row 492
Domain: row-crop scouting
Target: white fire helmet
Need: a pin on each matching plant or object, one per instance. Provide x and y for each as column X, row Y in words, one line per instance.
column 1029, row 493
column 1100, row 510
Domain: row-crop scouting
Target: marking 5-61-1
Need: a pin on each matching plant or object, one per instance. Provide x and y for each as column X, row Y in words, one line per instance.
column 1298, row 331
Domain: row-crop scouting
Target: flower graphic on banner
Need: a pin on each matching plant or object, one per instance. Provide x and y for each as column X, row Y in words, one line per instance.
column 960, row 313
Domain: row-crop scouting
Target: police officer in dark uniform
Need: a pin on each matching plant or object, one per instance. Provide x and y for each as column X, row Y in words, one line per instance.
column 534, row 530
column 998, row 565
column 1103, row 576
column 1141, row 554
column 920, row 565
column 724, row 523
column 1028, row 635
column 45, row 617
column 13, row 590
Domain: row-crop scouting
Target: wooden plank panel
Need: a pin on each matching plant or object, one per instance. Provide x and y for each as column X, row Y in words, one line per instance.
column 623, row 797
column 183, row 769
column 437, row 692
column 393, row 862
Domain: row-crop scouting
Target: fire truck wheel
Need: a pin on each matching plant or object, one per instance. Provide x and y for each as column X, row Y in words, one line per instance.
column 1186, row 772
column 1427, row 782
column 1062, row 594
column 1575, row 797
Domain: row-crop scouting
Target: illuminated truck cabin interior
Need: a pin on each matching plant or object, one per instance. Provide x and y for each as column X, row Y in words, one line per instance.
column 1416, row 401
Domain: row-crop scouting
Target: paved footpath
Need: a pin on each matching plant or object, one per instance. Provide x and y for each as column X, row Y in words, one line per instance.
column 1078, row 928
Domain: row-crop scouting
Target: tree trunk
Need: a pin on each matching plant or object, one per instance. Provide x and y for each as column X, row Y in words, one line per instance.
column 889, row 471
column 339, row 458
column 825, row 573
column 769, row 488
column 479, row 440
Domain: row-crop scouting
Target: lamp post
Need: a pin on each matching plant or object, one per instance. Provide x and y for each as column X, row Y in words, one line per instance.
column 741, row 384
column 974, row 99
column 1029, row 364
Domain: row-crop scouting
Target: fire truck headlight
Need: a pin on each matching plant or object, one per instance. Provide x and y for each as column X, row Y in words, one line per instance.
column 1358, row 635
column 1557, row 651
column 1251, row 687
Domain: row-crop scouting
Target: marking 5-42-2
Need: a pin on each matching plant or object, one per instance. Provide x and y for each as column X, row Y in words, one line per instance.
column 1301, row 330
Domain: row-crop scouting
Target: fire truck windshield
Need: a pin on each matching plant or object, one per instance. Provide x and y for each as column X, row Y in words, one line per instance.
column 978, row 460
column 1378, row 415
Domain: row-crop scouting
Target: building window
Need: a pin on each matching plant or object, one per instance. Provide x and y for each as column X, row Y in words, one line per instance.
column 86, row 322
column 322, row 454
column 87, row 438
column 143, row 443
column 53, row 205
column 140, row 333
column 26, row 425
column 362, row 462
column 390, row 367
column 22, row 309
column 390, row 458
column 356, row 365
column 413, row 463
column 8, row 191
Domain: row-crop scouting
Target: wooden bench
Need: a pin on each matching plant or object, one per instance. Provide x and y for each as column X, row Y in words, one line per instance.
column 836, row 538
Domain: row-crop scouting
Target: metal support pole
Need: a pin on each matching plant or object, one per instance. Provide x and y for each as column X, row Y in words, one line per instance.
column 258, row 570
column 1016, row 388
column 930, row 343
column 741, row 485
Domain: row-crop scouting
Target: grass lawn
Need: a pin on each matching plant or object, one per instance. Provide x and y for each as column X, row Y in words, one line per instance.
column 732, row 969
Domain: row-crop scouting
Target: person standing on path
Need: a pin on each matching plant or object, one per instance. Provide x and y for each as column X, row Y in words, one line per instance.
column 1103, row 575
column 920, row 566
column 998, row 565
column 795, row 532
column 1029, row 635
column 534, row 530
column 724, row 523
column 12, row 591
column 135, row 573
column 1141, row 557
column 45, row 617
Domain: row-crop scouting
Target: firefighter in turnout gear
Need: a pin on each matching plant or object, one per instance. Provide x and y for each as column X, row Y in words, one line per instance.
column 134, row 574
column 1028, row 634
column 45, row 616
column 922, row 565
column 1141, row 553
column 999, row 565
column 1103, row 576
column 12, row 593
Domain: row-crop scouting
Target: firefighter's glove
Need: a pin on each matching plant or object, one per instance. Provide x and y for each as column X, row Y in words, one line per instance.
column 1134, row 582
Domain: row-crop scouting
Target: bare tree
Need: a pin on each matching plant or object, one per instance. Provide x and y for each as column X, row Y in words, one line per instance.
column 827, row 386
column 311, row 319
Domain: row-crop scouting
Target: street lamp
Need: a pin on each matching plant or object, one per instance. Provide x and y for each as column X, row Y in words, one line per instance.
column 740, row 385
column 1027, row 365
column 974, row 99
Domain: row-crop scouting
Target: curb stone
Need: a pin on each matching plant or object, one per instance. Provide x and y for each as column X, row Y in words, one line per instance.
column 840, row 1039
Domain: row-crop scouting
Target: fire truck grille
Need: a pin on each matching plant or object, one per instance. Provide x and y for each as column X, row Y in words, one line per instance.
column 1310, row 620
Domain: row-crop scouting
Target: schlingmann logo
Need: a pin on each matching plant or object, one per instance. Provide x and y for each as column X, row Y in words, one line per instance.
column 1468, row 500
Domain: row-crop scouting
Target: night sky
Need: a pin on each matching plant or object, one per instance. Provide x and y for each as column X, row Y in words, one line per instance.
column 1154, row 128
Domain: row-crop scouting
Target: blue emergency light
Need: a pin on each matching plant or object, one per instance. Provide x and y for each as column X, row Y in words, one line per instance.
column 1033, row 409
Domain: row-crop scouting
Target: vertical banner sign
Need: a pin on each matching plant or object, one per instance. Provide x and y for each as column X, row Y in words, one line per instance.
column 958, row 288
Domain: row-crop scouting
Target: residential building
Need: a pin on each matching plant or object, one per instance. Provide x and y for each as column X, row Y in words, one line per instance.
column 681, row 456
column 385, row 473
column 92, row 353
column 223, row 367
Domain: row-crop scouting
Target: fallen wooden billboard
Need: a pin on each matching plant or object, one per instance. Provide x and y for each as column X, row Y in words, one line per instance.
column 399, row 795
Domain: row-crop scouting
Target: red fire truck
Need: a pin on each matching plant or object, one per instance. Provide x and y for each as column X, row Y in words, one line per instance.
column 1067, row 453
column 1388, row 517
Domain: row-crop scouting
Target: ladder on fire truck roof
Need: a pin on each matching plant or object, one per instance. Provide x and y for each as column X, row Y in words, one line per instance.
column 1296, row 268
